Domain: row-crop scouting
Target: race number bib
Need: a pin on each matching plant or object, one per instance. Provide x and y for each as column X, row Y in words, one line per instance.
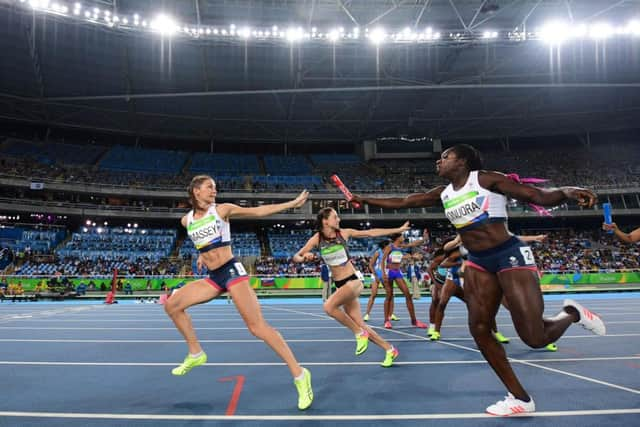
column 240, row 268
column 527, row 254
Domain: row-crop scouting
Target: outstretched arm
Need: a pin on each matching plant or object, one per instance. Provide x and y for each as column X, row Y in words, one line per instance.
column 500, row 183
column 430, row 198
column 374, row 232
column 535, row 238
column 229, row 210
column 632, row 237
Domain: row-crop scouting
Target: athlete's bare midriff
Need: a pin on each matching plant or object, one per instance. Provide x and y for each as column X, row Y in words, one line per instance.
column 485, row 237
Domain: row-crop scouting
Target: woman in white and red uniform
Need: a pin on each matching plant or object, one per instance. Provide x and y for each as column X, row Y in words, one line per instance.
column 208, row 227
column 499, row 264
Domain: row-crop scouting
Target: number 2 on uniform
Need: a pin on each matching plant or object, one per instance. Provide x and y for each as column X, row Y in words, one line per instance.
column 527, row 254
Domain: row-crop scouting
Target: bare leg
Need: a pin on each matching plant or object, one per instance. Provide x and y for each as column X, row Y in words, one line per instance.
column 374, row 292
column 483, row 293
column 192, row 293
column 522, row 293
column 407, row 296
column 249, row 308
column 388, row 299
column 352, row 309
column 436, row 289
column 447, row 291
column 348, row 292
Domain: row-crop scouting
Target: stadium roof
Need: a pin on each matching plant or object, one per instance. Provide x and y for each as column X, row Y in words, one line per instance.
column 63, row 70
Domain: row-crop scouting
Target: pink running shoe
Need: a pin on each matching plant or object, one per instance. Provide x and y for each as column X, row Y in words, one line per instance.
column 387, row 325
column 419, row 324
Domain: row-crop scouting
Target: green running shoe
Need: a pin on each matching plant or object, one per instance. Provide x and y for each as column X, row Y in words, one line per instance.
column 366, row 317
column 394, row 317
column 189, row 363
column 501, row 338
column 305, row 392
column 431, row 330
column 362, row 342
column 552, row 347
column 389, row 357
column 435, row 336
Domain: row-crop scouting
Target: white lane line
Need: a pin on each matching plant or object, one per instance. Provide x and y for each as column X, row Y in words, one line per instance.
column 154, row 364
column 127, row 328
column 76, row 340
column 405, row 363
column 132, row 341
column 166, row 320
column 581, row 377
column 305, row 417
column 525, row 362
column 406, row 326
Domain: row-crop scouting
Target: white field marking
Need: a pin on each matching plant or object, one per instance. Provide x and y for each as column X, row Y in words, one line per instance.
column 305, row 313
column 305, row 417
column 42, row 313
column 226, row 364
column 446, row 326
column 581, row 377
column 510, row 324
column 257, row 341
column 167, row 320
column 126, row 328
column 524, row 362
column 228, row 341
column 154, row 364
column 590, row 336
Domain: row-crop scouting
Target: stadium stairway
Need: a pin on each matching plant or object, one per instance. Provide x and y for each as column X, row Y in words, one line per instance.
column 265, row 247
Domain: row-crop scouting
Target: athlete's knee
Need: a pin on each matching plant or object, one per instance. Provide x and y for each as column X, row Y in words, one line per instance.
column 441, row 306
column 480, row 329
column 329, row 308
column 258, row 328
column 533, row 340
column 171, row 306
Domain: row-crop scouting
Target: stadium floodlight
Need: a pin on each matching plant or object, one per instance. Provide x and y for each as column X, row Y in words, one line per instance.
column 580, row 31
column 333, row 36
column 406, row 35
column 633, row 27
column 245, row 32
column 601, row 31
column 554, row 32
column 378, row 35
column 164, row 24
column 294, row 34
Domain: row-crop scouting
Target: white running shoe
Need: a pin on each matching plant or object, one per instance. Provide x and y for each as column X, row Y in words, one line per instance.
column 589, row 320
column 511, row 406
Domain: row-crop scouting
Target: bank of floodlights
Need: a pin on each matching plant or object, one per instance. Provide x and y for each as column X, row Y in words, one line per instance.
column 553, row 32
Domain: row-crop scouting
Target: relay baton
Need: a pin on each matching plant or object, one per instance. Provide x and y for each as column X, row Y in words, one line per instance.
column 606, row 207
column 347, row 194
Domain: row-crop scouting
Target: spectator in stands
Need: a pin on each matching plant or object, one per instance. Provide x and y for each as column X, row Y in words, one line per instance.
column 343, row 305
column 632, row 237
column 208, row 227
column 499, row 263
